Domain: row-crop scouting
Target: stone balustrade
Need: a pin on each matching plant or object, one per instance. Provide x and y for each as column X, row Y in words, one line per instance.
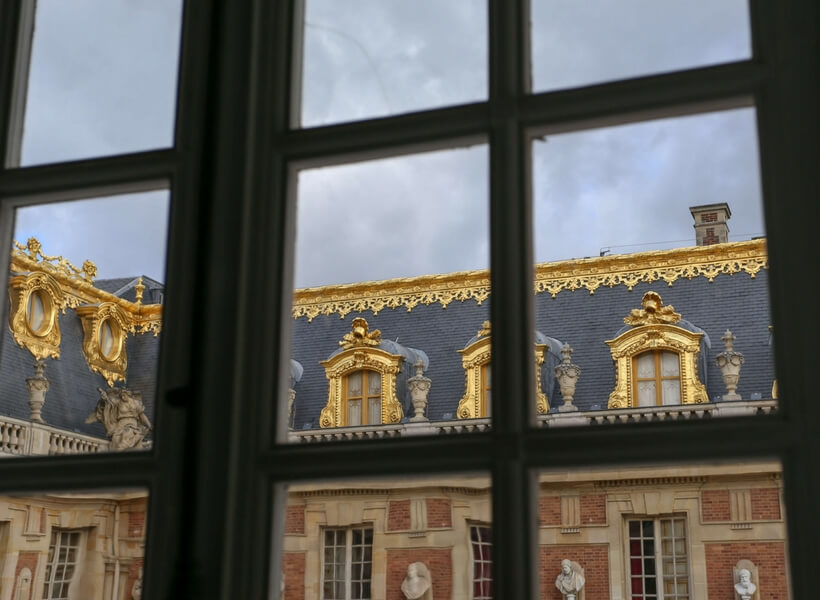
column 682, row 412
column 24, row 438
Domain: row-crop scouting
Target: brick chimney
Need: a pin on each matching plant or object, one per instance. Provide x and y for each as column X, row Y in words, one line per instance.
column 711, row 223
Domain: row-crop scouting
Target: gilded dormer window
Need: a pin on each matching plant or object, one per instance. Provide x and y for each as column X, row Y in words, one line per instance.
column 656, row 360
column 361, row 381
column 475, row 358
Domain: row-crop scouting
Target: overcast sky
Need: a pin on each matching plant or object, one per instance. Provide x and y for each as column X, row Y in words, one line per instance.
column 103, row 81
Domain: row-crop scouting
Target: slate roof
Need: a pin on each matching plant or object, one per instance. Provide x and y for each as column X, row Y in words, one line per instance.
column 72, row 393
column 586, row 321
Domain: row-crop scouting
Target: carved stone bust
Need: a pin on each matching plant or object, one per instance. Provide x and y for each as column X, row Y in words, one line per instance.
column 570, row 580
column 744, row 587
column 417, row 584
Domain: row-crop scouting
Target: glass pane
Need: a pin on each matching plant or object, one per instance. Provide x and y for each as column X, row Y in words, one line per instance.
column 646, row 393
column 354, row 384
column 646, row 365
column 374, row 411
column 581, row 43
column 102, row 79
column 391, row 258
column 670, row 364
column 374, row 384
column 406, row 535
column 43, row 533
column 86, row 380
column 354, row 412
column 369, row 58
column 670, row 391
column 671, row 256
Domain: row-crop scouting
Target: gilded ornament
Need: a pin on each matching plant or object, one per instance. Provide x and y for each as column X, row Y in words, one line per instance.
column 36, row 300
column 590, row 273
column 360, row 335
column 652, row 311
column 56, row 265
column 104, row 333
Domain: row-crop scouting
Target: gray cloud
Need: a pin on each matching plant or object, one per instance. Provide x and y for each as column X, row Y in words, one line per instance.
column 102, row 81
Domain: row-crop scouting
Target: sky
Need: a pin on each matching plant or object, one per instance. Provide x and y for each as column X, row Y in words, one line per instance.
column 102, row 82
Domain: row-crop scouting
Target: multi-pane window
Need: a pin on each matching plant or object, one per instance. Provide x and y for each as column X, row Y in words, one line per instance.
column 658, row 570
column 482, row 544
column 363, row 396
column 348, row 561
column 657, row 378
column 63, row 554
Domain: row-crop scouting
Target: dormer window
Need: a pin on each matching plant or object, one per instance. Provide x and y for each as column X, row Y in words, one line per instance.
column 657, row 378
column 656, row 361
column 37, row 311
column 476, row 360
column 362, row 379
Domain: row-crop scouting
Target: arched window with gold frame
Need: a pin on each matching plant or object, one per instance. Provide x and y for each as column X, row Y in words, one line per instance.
column 476, row 403
column 656, row 360
column 105, row 331
column 362, row 378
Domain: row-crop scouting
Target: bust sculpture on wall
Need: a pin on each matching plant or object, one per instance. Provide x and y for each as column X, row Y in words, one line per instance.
column 417, row 584
column 744, row 587
column 570, row 580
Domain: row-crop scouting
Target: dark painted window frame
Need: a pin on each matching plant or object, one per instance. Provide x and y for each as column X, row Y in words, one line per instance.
column 215, row 470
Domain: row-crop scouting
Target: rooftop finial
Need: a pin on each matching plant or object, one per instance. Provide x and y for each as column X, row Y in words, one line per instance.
column 139, row 289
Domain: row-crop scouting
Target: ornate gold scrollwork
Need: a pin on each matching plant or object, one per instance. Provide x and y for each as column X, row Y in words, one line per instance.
column 652, row 331
column 360, row 352
column 477, row 355
column 570, row 275
column 105, row 329
column 36, row 299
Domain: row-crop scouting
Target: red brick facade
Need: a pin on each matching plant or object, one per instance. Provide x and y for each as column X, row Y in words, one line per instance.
column 136, row 523
column 708, row 218
column 26, row 559
column 769, row 557
column 714, row 505
column 133, row 575
column 438, row 560
column 398, row 515
column 295, row 519
column 438, row 513
column 593, row 509
column 765, row 504
column 593, row 557
column 293, row 565
column 549, row 510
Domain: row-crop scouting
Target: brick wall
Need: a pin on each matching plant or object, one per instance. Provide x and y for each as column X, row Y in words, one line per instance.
column 439, row 513
column 438, row 560
column 714, row 505
column 293, row 565
column 769, row 557
column 594, row 558
column 765, row 504
column 398, row 515
column 295, row 519
column 26, row 559
column 136, row 523
column 708, row 217
column 133, row 575
column 549, row 510
column 593, row 509
column 710, row 237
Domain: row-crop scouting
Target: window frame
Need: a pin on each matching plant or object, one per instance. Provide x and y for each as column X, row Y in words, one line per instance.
column 479, row 527
column 348, row 566
column 658, row 377
column 53, row 549
column 365, row 397
column 657, row 539
column 232, row 175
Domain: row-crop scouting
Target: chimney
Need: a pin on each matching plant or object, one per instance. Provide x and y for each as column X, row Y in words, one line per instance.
column 711, row 223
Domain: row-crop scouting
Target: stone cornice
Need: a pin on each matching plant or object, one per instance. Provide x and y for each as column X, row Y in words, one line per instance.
column 552, row 278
